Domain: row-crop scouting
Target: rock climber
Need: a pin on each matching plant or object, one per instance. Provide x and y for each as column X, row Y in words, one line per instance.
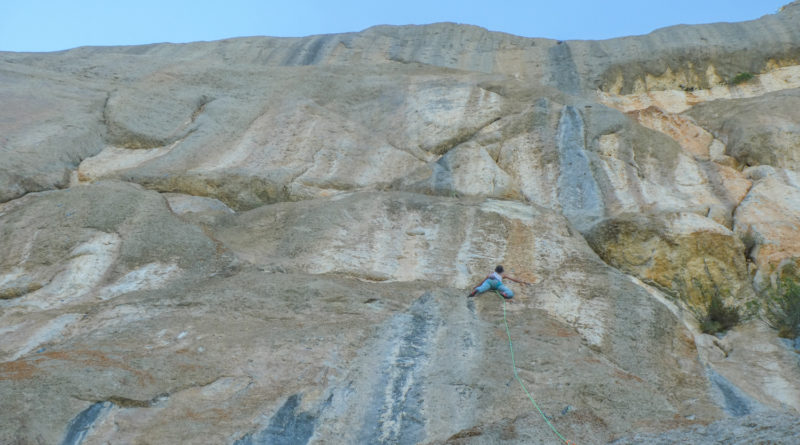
column 494, row 281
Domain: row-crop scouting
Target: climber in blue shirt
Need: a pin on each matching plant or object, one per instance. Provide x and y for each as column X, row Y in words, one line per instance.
column 494, row 281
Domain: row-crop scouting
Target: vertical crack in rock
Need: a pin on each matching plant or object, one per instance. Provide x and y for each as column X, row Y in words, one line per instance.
column 79, row 427
column 397, row 415
column 564, row 72
column 287, row 426
column 731, row 398
column 578, row 192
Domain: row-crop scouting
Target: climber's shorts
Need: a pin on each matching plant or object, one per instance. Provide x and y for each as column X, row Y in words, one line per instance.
column 495, row 285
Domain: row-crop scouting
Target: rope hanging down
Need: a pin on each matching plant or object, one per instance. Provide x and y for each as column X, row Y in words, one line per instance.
column 516, row 375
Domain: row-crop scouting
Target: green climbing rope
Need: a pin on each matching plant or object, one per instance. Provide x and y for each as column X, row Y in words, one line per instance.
column 514, row 365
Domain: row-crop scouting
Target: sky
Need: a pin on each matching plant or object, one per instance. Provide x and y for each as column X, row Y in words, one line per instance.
column 52, row 25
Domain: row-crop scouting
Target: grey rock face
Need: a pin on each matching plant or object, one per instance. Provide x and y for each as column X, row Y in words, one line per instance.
column 757, row 131
column 267, row 240
column 768, row 428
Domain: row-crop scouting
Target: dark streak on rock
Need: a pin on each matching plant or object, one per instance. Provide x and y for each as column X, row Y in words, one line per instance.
column 287, row 426
column 564, row 71
column 396, row 416
column 79, row 427
column 734, row 401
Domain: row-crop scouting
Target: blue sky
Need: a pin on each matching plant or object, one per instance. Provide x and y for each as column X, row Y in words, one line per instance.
column 33, row 25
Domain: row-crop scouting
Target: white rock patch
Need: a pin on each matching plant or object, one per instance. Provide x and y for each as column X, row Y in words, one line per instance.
column 149, row 276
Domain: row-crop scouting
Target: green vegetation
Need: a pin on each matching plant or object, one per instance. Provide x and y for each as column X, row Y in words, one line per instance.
column 741, row 78
column 716, row 316
column 782, row 307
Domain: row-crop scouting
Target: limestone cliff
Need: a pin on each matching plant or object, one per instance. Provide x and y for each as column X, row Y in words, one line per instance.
column 271, row 240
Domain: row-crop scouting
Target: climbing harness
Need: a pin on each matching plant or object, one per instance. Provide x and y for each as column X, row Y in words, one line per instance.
column 516, row 375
